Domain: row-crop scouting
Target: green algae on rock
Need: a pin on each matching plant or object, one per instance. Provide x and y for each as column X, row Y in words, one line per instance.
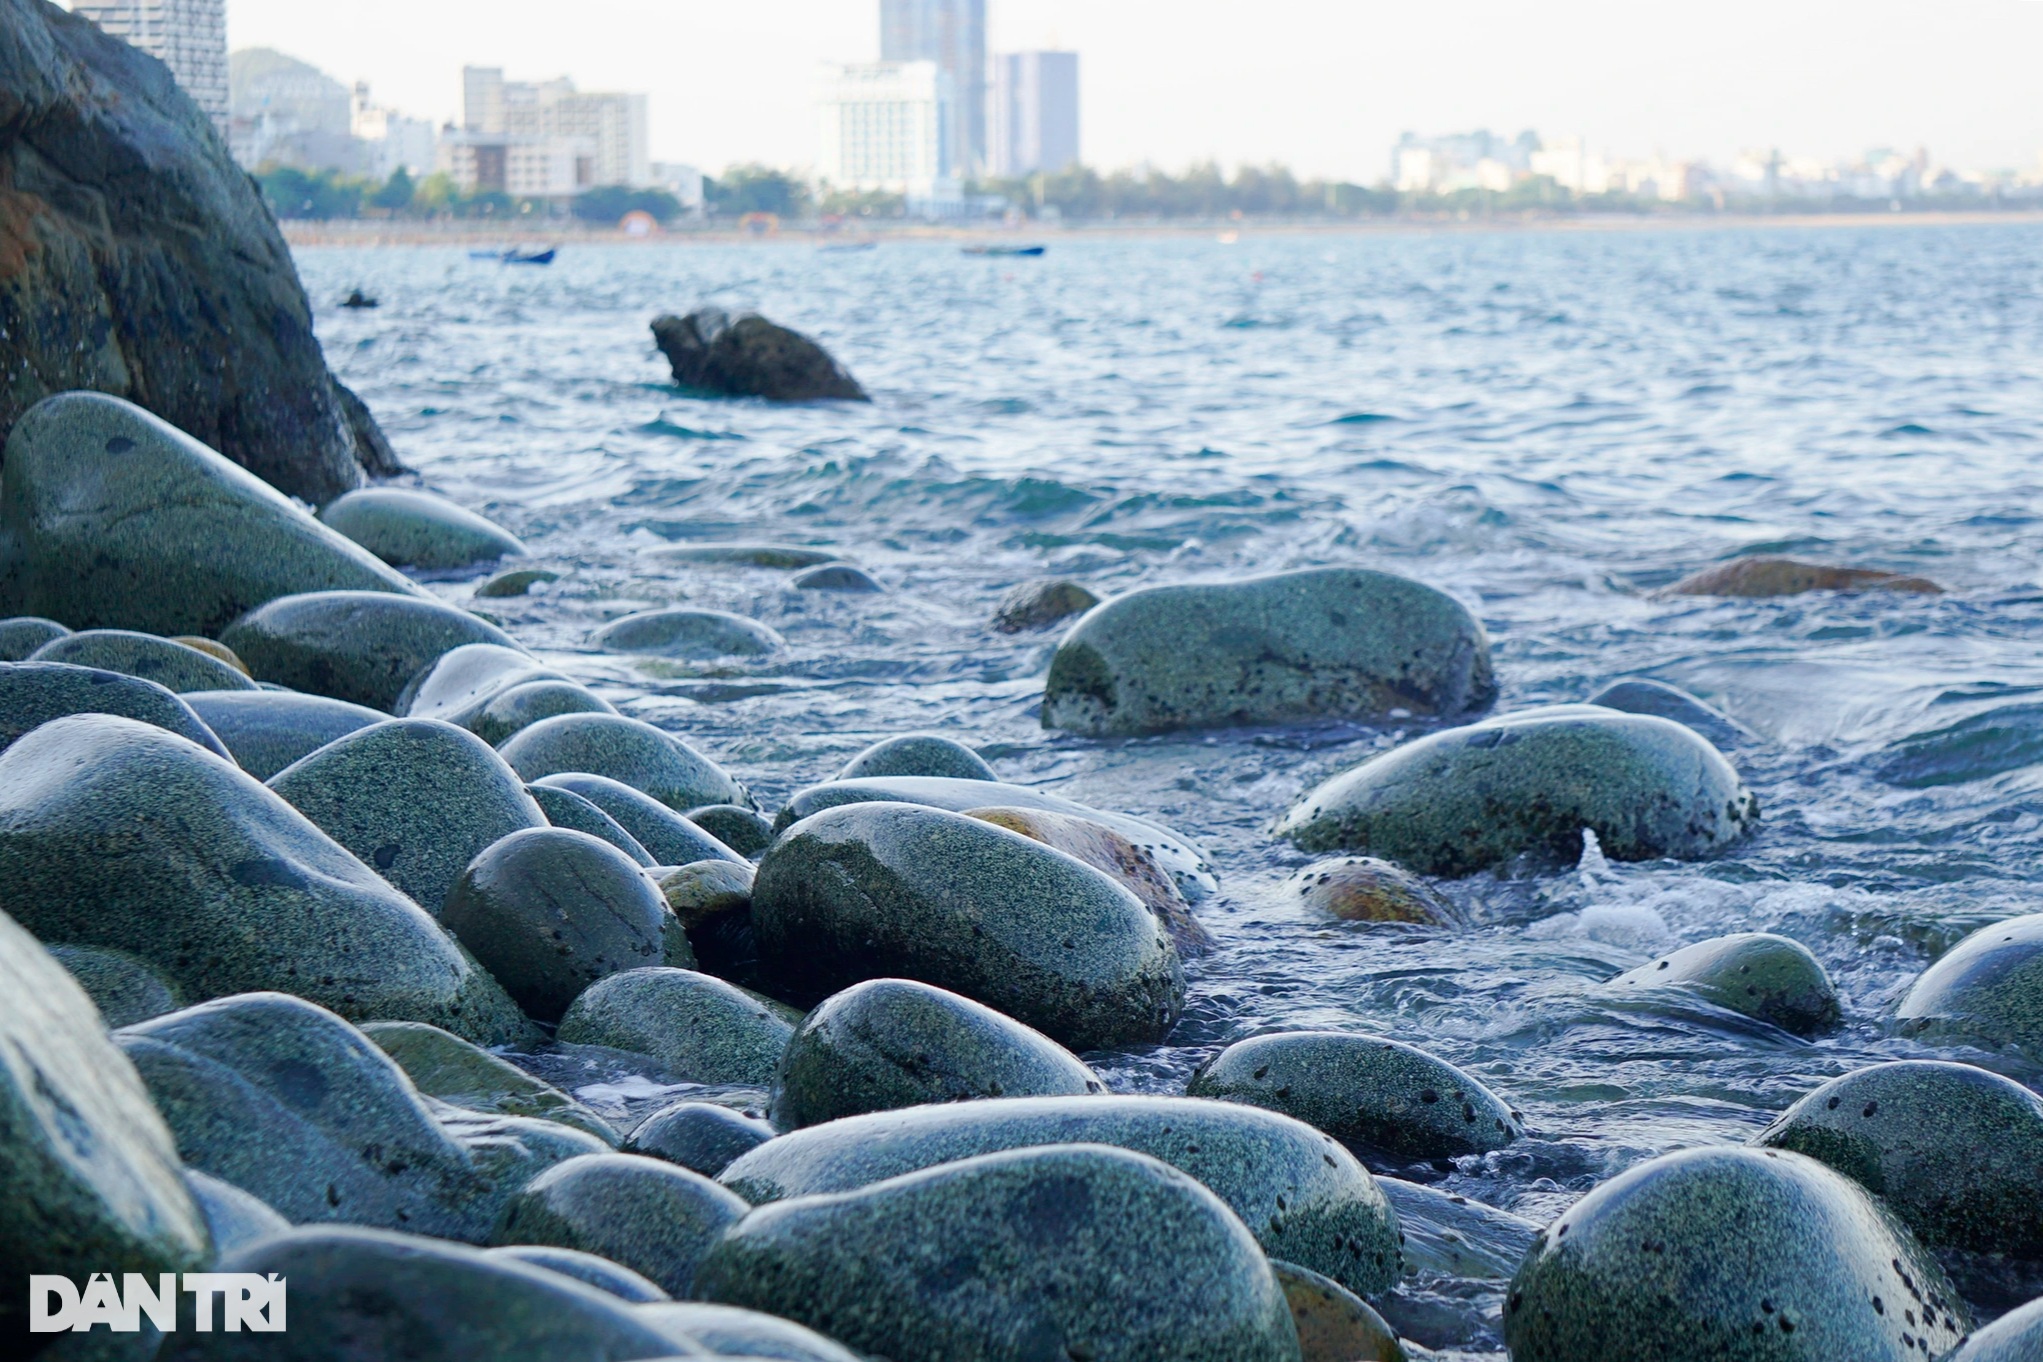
column 418, row 530
column 172, row 665
column 702, row 1137
column 1466, row 799
column 1379, row 1095
column 655, row 1218
column 1763, row 976
column 1987, row 989
column 1366, row 889
column 267, row 730
column 1072, row 1251
column 698, row 635
column 870, row 891
column 360, row 646
column 890, row 1043
column 34, row 693
column 1324, row 643
column 918, row 754
column 125, row 988
column 628, row 751
column 1730, row 1255
column 701, row 1028
column 444, row 1066
column 1304, row 1197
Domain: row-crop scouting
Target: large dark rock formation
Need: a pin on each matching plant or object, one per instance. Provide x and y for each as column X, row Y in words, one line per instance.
column 749, row 356
column 137, row 259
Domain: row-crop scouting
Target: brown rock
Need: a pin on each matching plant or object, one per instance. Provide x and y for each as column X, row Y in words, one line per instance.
column 702, row 890
column 1114, row 856
column 213, row 648
column 1365, row 889
column 1762, row 577
column 749, row 356
column 1037, row 605
column 1334, row 1324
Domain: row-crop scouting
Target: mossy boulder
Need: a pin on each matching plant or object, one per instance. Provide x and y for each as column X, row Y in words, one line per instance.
column 360, row 646
column 655, row 1218
column 1466, row 799
column 1763, row 976
column 418, row 530
column 697, row 635
column 1368, row 889
column 566, row 809
column 1761, row 578
column 743, row 830
column 1324, row 643
column 1731, row 1255
column 267, row 730
column 1640, row 696
column 549, row 912
column 1302, row 1195
column 1074, row 1251
column 702, row 1137
column 1038, row 605
column 118, row 520
column 728, row 1331
column 93, row 1178
column 22, row 635
column 890, row 1043
column 628, row 751
column 612, row 1279
column 171, row 665
column 871, row 891
column 416, row 799
column 846, row 577
column 918, row 754
column 706, row 889
column 700, row 1028
column 1987, row 990
column 115, row 833
column 1955, row 1151
column 442, row 1065
column 668, row 837
column 1388, row 1098
column 34, row 693
column 125, row 988
column 1132, row 867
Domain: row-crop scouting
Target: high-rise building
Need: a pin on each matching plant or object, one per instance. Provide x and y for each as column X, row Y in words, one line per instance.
column 609, row 131
column 1034, row 114
column 886, row 127
column 391, row 141
column 951, row 33
column 188, row 36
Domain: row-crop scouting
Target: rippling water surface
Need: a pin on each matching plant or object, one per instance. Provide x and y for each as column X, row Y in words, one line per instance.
column 1548, row 425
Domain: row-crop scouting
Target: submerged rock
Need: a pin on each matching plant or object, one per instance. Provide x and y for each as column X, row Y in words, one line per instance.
column 1325, row 643
column 749, row 356
column 1465, row 799
column 22, row 635
column 877, row 890
column 34, row 693
column 891, row 1043
column 1301, row 1194
column 628, row 751
column 697, row 635
column 549, row 912
column 1114, row 856
column 786, row 557
column 918, row 754
column 93, row 1178
column 125, row 988
column 1379, row 1095
column 1955, row 1151
column 171, row 665
column 836, row 577
column 442, row 1065
column 1987, row 989
column 1334, row 1324
column 700, row 1136
column 700, row 1028
column 360, row 646
column 120, row 521
column 653, row 1217
column 1766, row 577
column 728, row 1331
column 1638, row 696
column 1763, row 976
column 2007, row 738
column 114, row 833
column 1365, row 889
column 670, row 838
column 1730, row 1255
column 1038, row 605
column 613, row 1279
column 516, row 582
column 566, row 809
column 418, row 530
column 267, row 730
column 976, row 1260
column 743, row 830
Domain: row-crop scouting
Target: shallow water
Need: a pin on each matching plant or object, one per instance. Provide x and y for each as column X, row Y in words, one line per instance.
column 1547, row 425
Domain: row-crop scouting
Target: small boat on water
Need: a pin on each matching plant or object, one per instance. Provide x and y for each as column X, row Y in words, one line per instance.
column 847, row 247
column 359, row 300
column 518, row 256
column 1006, row 251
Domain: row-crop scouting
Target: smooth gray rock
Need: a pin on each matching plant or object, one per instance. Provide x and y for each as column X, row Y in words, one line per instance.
column 566, row 809
column 115, row 520
column 1379, row 1095
column 115, row 833
column 267, row 730
column 700, row 1028
column 782, row 556
column 670, row 838
column 1730, row 1255
column 1640, row 696
column 34, row 693
column 418, row 530
column 743, row 830
column 1767, row 977
column 1955, row 1151
column 24, row 634
column 234, row 1218
column 697, row 635
column 1038, row 605
column 171, row 665
column 549, row 912
column 93, row 1179
column 700, row 1136
column 462, row 680
column 1466, row 799
column 125, row 988
column 728, row 1331
column 702, row 890
column 416, row 799
column 442, row 1065
column 891, row 1043
column 1186, row 864
column 748, row 356
column 628, row 751
column 359, row 1295
column 870, row 891
column 2015, row 1337
column 516, row 708
column 1446, row 1235
column 653, row 1217
column 361, row 646
column 836, row 577
column 613, row 1279
column 1324, row 643
column 516, row 582
column 1296, row 1188
column 1986, row 990
column 1035, row 1253
column 918, row 754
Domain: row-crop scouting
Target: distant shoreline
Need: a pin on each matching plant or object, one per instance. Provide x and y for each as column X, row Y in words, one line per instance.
column 384, row 233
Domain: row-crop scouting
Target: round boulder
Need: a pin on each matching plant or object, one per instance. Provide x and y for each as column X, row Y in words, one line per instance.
column 668, row 837
column 33, row 693
column 444, row 1066
column 514, row 709
column 836, row 577
column 728, row 1331
column 1987, row 989
column 697, row 635
column 1762, row 578
column 700, row 1136
column 743, row 830
column 417, row 530
column 867, row 891
column 566, row 809
column 516, row 582
column 1730, row 1255
column 785, row 557
column 918, row 754
column 1334, row 1324
column 461, row 682
column 361, row 646
column 1466, row 799
column 1038, row 605
column 610, row 1278
column 700, row 1028
column 125, row 988
column 1766, row 977
column 267, row 730
column 625, row 750
column 1639, row 696
column 890, row 1043
column 652, row 1217
column 23, row 634
column 1132, row 867
column 2015, row 1337
column 1365, row 889
column 702, row 890
column 171, row 665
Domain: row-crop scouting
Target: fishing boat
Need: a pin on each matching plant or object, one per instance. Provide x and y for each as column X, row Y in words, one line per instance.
column 518, row 256
column 847, row 247
column 1006, row 251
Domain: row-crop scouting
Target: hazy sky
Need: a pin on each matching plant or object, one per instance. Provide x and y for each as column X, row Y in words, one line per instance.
column 1325, row 85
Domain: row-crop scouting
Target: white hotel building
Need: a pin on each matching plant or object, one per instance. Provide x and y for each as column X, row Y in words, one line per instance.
column 886, row 127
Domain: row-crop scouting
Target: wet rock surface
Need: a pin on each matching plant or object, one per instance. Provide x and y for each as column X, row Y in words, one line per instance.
column 1759, row 578
column 693, row 634
column 670, row 838
column 628, row 751
column 1038, row 605
column 358, row 646
column 918, row 754
column 34, row 693
column 267, row 730
column 1763, row 976
column 1134, row 868
column 170, row 664
column 444, row 1066
column 418, row 530
column 702, row 1028
column 748, row 356
column 1366, row 889
column 700, row 1136
column 1988, row 989
column 657, row 1219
